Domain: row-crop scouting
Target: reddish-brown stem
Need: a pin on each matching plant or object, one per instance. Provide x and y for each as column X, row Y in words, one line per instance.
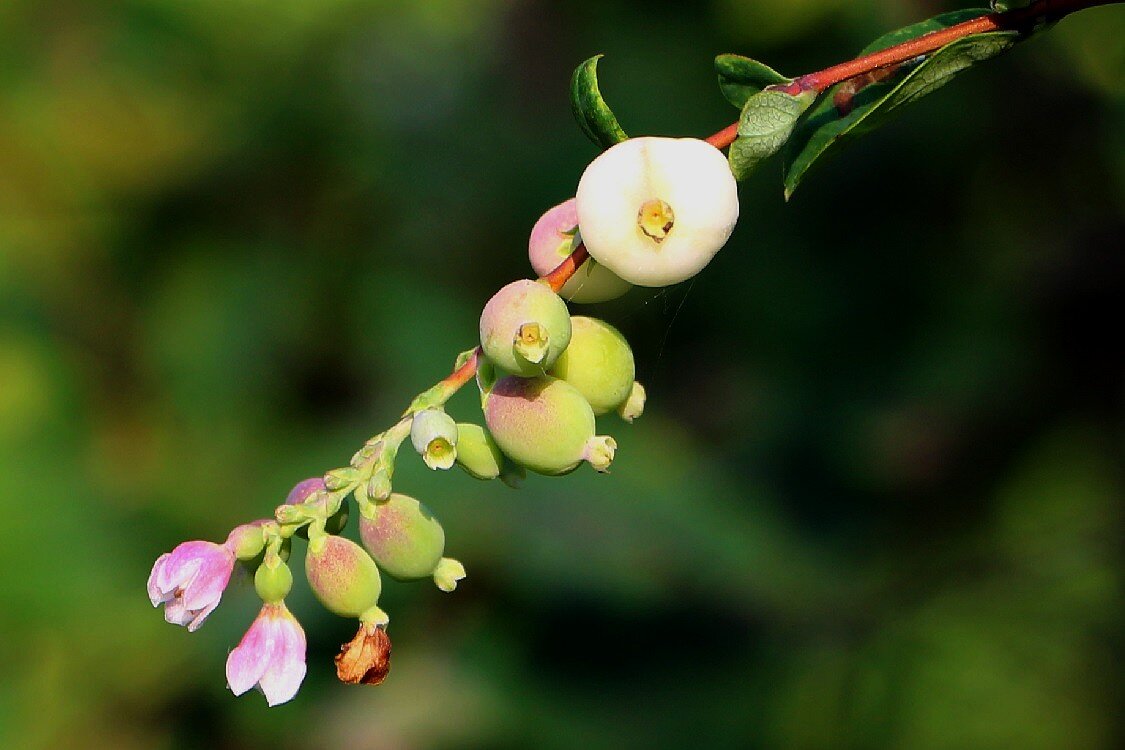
column 1037, row 12
column 560, row 275
column 463, row 374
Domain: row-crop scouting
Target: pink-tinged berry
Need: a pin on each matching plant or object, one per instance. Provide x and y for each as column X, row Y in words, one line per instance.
column 189, row 581
column 554, row 237
column 342, row 575
column 546, row 425
column 407, row 541
column 271, row 655
column 598, row 362
column 524, row 327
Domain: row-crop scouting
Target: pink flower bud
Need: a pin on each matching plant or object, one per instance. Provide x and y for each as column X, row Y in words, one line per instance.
column 271, row 655
column 190, row 581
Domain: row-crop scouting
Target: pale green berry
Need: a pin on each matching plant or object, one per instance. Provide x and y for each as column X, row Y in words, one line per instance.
column 433, row 433
column 404, row 538
column 546, row 425
column 342, row 575
column 656, row 210
column 555, row 237
column 524, row 327
column 477, row 452
column 598, row 362
column 273, row 580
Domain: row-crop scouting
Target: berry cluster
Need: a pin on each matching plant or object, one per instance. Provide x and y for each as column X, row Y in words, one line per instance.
column 648, row 212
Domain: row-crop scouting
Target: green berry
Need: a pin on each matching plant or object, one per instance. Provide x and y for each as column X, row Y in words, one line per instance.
column 403, row 536
column 598, row 362
column 524, row 327
column 546, row 425
column 342, row 575
column 477, row 452
column 273, row 580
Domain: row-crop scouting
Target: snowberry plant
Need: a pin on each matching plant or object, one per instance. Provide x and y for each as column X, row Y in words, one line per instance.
column 648, row 212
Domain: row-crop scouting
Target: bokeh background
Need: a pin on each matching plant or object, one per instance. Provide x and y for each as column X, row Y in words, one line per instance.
column 876, row 500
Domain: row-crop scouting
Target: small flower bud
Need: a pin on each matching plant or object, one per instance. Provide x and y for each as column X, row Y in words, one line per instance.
column 524, row 327
column 477, row 453
column 634, row 405
column 434, row 435
column 598, row 362
column 248, row 540
column 365, row 659
column 656, row 210
column 403, row 536
column 343, row 576
column 542, row 423
column 553, row 238
column 315, row 489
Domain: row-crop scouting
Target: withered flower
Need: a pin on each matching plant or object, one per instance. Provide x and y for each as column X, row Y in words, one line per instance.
column 365, row 659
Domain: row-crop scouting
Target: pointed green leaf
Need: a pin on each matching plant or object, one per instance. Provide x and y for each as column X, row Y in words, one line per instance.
column 593, row 114
column 855, row 107
column 741, row 77
column 765, row 125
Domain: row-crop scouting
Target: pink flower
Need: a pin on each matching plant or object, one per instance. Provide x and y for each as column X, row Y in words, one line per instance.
column 271, row 655
column 189, row 581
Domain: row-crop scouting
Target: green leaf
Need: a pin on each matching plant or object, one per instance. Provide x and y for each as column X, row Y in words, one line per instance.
column 593, row 114
column 766, row 122
column 740, row 78
column 853, row 108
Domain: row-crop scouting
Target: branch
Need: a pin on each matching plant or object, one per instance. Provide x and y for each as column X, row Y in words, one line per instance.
column 1013, row 20
column 821, row 80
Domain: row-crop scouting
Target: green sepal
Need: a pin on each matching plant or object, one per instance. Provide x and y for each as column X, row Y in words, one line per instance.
column 741, row 77
column 855, row 107
column 766, row 122
column 487, row 376
column 594, row 116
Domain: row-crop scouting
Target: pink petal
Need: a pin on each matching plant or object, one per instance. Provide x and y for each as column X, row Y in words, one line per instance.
column 155, row 594
column 282, row 679
column 208, row 584
column 251, row 657
column 201, row 615
column 176, row 613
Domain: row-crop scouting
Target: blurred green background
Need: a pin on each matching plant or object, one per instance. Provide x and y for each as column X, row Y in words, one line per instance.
column 876, row 500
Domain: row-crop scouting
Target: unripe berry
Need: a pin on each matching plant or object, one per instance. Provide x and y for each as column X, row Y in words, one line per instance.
column 273, row 580
column 553, row 238
column 404, row 538
column 477, row 452
column 342, row 575
column 656, row 210
column 598, row 362
column 546, row 425
column 434, row 435
column 524, row 327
